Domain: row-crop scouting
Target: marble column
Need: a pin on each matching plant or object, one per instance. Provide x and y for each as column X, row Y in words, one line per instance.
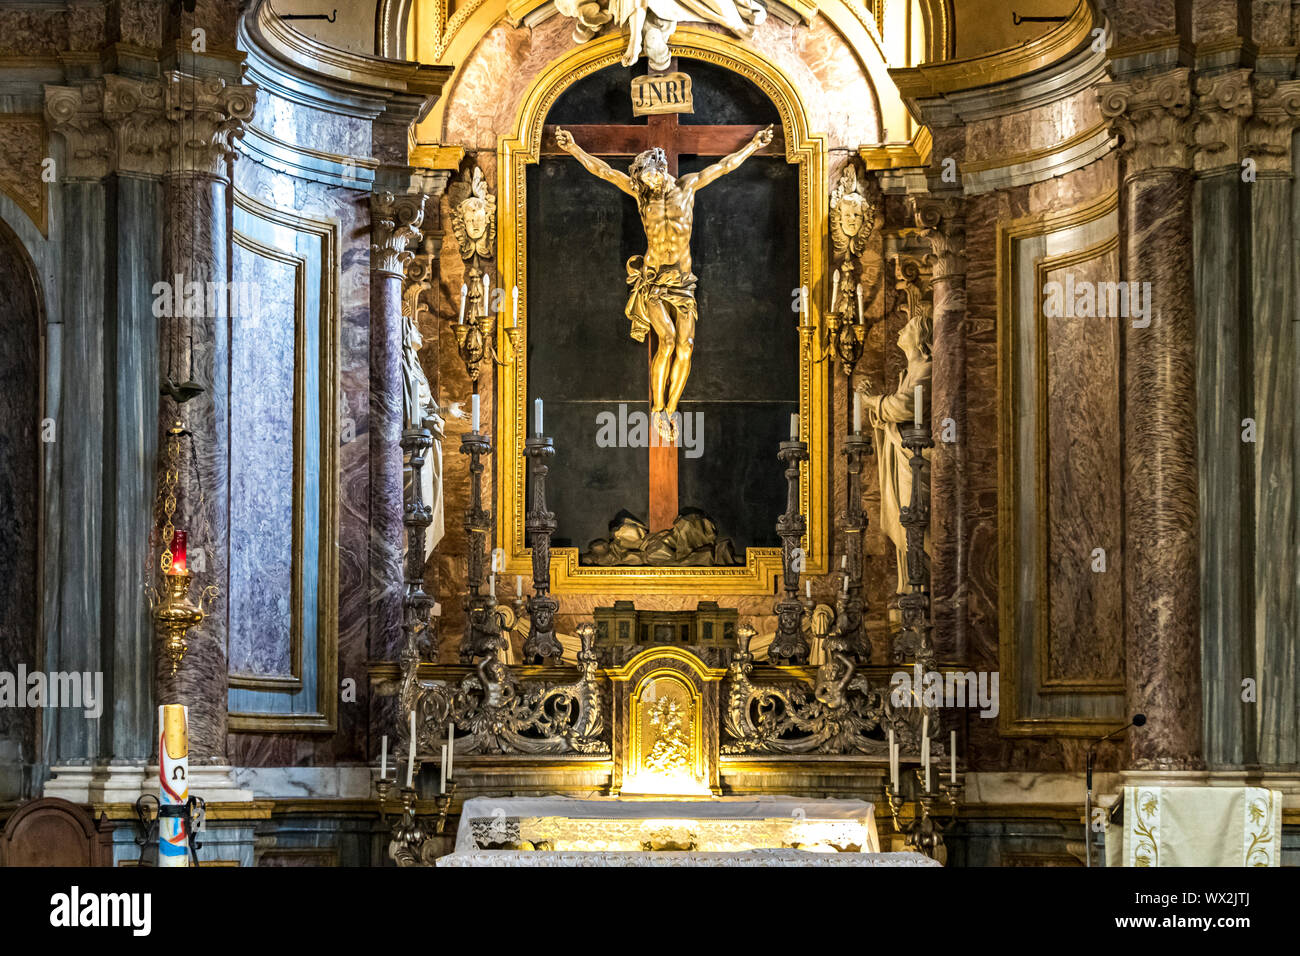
column 942, row 220
column 395, row 227
column 1162, row 573
column 75, row 644
column 208, row 113
column 1274, row 360
column 1221, row 240
column 141, row 133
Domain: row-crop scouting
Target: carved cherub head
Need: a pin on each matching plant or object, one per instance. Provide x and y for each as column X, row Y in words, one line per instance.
column 473, row 215
column 853, row 215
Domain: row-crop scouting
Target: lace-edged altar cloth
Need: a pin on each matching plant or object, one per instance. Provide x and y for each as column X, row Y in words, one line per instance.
column 723, row 831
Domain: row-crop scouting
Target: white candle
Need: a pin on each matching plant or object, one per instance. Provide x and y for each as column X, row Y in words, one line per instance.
column 794, row 427
column 492, row 584
column 537, row 417
column 442, row 779
column 803, row 305
column 844, row 560
column 807, row 589
column 514, row 309
column 835, row 288
column 861, row 319
column 410, row 757
column 519, row 584
column 464, row 290
column 893, row 761
column 925, row 749
column 916, row 402
column 451, row 749
column 953, row 748
column 473, row 414
column 383, row 758
column 857, row 413
column 487, row 293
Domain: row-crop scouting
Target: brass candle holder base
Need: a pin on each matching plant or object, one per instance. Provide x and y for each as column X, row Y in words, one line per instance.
column 412, row 842
column 174, row 613
column 934, row 815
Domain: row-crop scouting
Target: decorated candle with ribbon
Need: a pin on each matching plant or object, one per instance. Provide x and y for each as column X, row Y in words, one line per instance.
column 173, row 783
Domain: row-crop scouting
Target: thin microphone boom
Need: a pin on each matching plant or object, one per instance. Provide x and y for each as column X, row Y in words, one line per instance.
column 1137, row 721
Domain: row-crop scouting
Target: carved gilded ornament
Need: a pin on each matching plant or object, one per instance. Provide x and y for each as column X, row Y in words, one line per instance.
column 1223, row 102
column 1152, row 114
column 395, row 222
column 473, row 215
column 1269, row 130
column 853, row 218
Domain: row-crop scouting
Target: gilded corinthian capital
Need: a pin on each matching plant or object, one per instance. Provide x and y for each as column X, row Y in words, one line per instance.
column 395, row 223
column 1268, row 131
column 209, row 114
column 942, row 221
column 1153, row 114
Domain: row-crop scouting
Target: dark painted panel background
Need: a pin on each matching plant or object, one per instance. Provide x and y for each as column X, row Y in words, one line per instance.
column 744, row 377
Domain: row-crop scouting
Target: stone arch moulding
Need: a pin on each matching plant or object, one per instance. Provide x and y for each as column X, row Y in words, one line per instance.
column 805, row 149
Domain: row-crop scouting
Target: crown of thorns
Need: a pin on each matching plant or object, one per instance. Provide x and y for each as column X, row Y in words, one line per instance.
column 653, row 157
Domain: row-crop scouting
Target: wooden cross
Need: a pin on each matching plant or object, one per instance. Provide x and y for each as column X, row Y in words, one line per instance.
column 675, row 139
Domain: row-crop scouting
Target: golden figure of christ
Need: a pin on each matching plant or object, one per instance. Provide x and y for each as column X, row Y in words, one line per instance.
column 663, row 285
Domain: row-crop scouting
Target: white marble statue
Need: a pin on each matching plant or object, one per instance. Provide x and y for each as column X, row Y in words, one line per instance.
column 886, row 412
column 650, row 23
column 421, row 408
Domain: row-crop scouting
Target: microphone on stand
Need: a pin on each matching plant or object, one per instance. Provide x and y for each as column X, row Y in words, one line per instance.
column 1137, row 721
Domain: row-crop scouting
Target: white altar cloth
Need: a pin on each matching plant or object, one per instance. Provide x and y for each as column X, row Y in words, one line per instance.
column 721, row 831
column 525, row 858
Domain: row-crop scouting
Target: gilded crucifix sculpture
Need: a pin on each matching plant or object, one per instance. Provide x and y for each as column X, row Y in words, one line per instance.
column 663, row 285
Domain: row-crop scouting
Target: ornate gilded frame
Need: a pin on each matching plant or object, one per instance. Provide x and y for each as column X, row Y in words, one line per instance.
column 805, row 149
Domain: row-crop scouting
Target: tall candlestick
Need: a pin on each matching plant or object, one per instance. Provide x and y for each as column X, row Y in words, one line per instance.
column 537, row 417
column 451, row 749
column 383, row 758
column 857, row 413
column 410, row 757
column 173, row 783
column 794, row 427
column 917, row 406
column 473, row 413
column 952, row 748
column 442, row 778
column 464, row 290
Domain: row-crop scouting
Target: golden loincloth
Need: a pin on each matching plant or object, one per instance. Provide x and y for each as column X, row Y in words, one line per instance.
column 664, row 284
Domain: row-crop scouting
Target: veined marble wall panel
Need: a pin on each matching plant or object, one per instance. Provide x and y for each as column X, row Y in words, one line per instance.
column 284, row 480
column 1061, row 630
column 263, row 367
column 264, row 741
column 1079, row 363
